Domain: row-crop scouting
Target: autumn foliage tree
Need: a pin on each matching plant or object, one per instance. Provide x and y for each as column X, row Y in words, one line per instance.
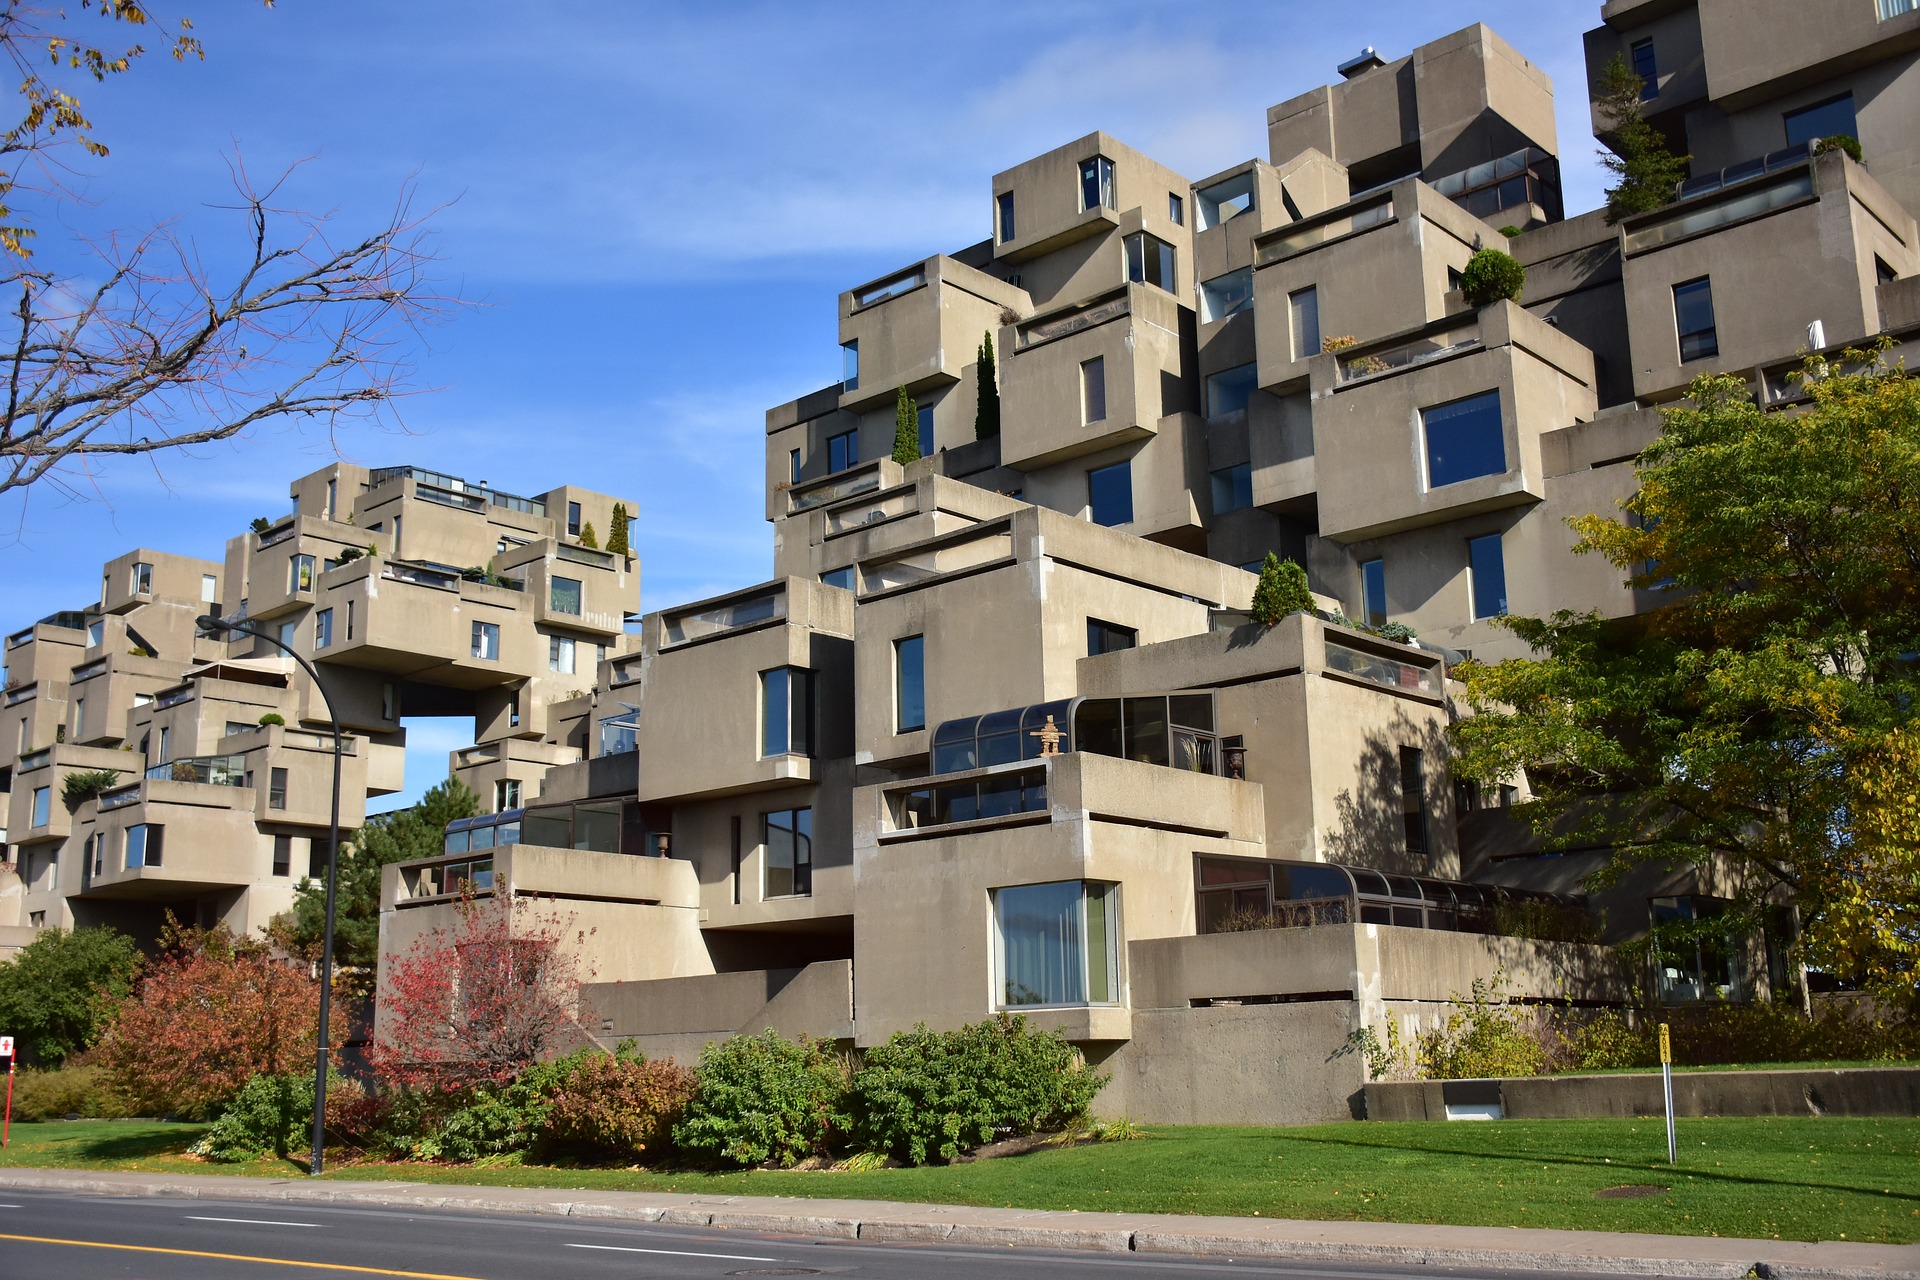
column 478, row 1001
column 213, row 1011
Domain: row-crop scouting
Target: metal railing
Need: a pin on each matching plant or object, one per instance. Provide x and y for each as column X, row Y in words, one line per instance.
column 1746, row 170
column 452, row 491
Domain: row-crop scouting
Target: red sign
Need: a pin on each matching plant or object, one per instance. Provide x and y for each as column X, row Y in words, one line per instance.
column 6, row 1046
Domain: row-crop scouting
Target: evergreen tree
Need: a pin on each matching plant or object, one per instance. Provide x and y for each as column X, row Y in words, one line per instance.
column 617, row 531
column 1282, row 590
column 906, row 429
column 986, row 413
column 588, row 538
column 1634, row 150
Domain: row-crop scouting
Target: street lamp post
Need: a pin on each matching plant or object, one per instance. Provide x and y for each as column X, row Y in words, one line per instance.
column 215, row 628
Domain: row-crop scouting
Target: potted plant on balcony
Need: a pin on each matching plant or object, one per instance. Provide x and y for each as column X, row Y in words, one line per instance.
column 1282, row 590
column 1492, row 276
column 85, row 785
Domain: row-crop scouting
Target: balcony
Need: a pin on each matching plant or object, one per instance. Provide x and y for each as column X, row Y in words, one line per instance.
column 760, row 607
column 842, row 485
column 586, row 875
column 213, row 771
column 1396, row 356
column 452, row 491
column 1237, row 895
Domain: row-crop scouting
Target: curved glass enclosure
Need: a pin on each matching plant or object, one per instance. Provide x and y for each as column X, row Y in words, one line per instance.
column 1233, row 895
column 1171, row 729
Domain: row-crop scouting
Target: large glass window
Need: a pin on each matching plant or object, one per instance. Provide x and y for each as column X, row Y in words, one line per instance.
column 786, row 712
column 1110, row 494
column 1647, row 68
column 1693, row 319
column 1226, row 295
column 1109, row 637
column 1464, row 440
column 1093, row 390
column 323, row 629
column 563, row 595
column 849, row 366
column 1894, row 8
column 1487, row 568
column 1373, row 592
column 1232, row 488
column 486, row 641
column 842, row 578
column 1229, row 390
column 1096, row 184
column 1303, row 307
column 1828, row 119
column 560, row 654
column 1004, row 204
column 143, row 845
column 142, row 579
column 843, row 451
column 1224, row 200
column 1150, row 261
column 788, row 868
column 42, row 806
column 909, row 683
column 1694, row 960
column 1056, row 944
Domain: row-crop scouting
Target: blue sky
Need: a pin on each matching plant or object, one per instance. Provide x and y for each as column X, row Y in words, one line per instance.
column 652, row 209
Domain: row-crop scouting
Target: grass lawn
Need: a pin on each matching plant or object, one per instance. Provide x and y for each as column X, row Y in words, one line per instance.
column 1792, row 1178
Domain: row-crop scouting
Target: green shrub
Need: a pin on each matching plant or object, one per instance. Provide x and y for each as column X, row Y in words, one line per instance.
column 1839, row 142
column 1485, row 1034
column 78, row 788
column 499, row 1122
column 927, row 1095
column 588, row 538
column 1492, row 276
column 765, row 1099
column 618, row 1106
column 1606, row 1041
column 273, row 717
column 1282, row 590
column 271, row 1115
column 63, row 1092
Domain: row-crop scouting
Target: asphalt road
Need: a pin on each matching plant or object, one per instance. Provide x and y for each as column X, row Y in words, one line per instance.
column 52, row 1236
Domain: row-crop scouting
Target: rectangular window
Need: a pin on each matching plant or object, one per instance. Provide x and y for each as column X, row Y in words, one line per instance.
column 733, row 826
column 42, row 806
column 506, row 794
column 1230, row 390
column 389, row 701
column 1096, row 184
column 287, row 631
column 842, row 578
column 926, row 430
column 142, row 579
column 563, row 596
column 486, row 641
column 1647, row 69
column 79, row 718
column 793, row 466
column 1304, row 308
column 1465, row 439
column 96, row 632
column 350, row 605
column 1693, row 319
column 843, row 451
column 283, row 855
column 1232, row 488
column 317, row 858
column 96, row 850
column 1004, row 204
column 1829, row 119
column 323, row 629
column 276, row 788
column 909, row 683
column 1109, row 637
column 143, row 845
column 1110, row 494
column 209, row 588
column 850, row 365
column 333, row 494
column 1093, row 390
column 166, row 744
column 573, row 519
column 1894, row 8
column 1413, row 798
column 1226, row 295
column 1056, row 944
column 1150, row 261
column 786, row 712
column 1176, row 210
column 1487, row 572
column 560, row 654
column 1373, row 593
column 1223, row 201
column 787, row 871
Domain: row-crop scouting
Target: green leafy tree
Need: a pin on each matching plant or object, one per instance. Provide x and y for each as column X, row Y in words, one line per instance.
column 617, row 531
column 1767, row 714
column 986, row 413
column 59, row 992
column 588, row 538
column 1634, row 152
column 906, row 429
column 1492, row 275
column 1282, row 590
column 416, row 832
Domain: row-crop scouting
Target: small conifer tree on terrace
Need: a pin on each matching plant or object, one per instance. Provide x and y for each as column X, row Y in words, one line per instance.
column 986, row 413
column 617, row 531
column 1282, row 590
column 588, row 538
column 906, row 429
column 1635, row 151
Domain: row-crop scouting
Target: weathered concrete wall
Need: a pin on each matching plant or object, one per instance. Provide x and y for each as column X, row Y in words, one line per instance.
column 1888, row 1091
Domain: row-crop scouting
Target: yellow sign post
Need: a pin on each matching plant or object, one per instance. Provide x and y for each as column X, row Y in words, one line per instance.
column 1666, row 1083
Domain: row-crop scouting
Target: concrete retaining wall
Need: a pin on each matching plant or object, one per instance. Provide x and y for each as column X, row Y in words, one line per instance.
column 1884, row 1091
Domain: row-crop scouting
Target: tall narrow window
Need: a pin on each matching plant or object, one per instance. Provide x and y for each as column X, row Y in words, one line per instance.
column 733, row 824
column 79, row 719
column 560, row 654
column 1176, row 210
column 166, row 744
column 1464, row 439
column 209, row 588
column 323, row 629
column 909, row 684
column 1487, row 570
column 787, row 871
column 1373, row 592
column 142, row 579
column 1150, row 261
column 1056, row 944
column 850, row 365
column 350, row 605
column 333, row 493
column 793, row 466
column 1645, row 66
column 96, row 632
column 286, row 632
column 573, row 519
column 1303, row 307
column 1693, row 319
column 1226, row 295
column 1110, row 494
column 1004, row 203
column 1413, row 798
column 786, row 712
column 843, row 451
column 563, row 596
column 926, row 430
column 42, row 806
column 276, row 788
column 1109, row 637
column 486, row 641
column 317, row 858
column 1096, row 184
column 283, row 855
column 506, row 794
column 1093, row 390
column 299, row 573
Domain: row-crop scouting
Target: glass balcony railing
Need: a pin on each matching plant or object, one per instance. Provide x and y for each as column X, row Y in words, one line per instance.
column 119, row 798
column 584, row 555
column 1384, row 671
column 1291, row 241
column 1047, row 330
column 1774, row 161
column 446, row 879
column 1406, row 354
column 452, row 491
column 843, row 486
column 890, row 287
column 216, row 771
column 751, row 611
column 1749, row 202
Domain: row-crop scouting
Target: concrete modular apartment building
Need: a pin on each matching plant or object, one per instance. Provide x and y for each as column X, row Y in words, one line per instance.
column 829, row 803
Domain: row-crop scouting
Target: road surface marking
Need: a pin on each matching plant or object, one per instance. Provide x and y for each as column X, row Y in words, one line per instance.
column 240, row 1257
column 252, row 1222
column 678, row 1253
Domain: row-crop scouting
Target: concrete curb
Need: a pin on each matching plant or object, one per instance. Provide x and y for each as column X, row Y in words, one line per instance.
column 1378, row 1243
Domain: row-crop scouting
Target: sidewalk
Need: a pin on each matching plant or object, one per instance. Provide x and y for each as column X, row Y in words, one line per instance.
column 1396, row 1244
